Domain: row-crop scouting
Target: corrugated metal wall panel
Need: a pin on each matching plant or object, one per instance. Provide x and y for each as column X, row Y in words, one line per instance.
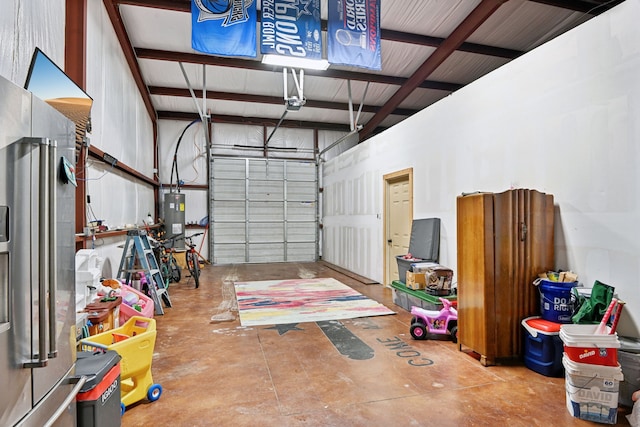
column 269, row 205
column 300, row 191
column 265, row 211
column 300, row 233
column 300, row 252
column 229, row 253
column 266, row 252
column 266, row 232
column 229, row 189
column 301, row 211
column 266, row 169
column 229, row 232
column 226, row 210
column 266, row 190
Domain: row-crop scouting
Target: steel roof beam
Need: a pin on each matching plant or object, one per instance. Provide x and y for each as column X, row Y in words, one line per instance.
column 195, row 58
column 263, row 99
column 256, row 121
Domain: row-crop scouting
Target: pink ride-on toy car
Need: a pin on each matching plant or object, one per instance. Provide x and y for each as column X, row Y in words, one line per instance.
column 444, row 321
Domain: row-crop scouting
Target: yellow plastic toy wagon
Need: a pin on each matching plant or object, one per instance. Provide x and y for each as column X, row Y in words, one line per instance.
column 134, row 341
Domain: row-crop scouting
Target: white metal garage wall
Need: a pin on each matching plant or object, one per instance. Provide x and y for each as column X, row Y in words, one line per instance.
column 263, row 210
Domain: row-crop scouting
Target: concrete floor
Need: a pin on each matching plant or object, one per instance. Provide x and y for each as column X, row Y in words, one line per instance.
column 218, row 373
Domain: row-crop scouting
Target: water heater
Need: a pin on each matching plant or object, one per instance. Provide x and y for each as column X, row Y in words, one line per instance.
column 174, row 214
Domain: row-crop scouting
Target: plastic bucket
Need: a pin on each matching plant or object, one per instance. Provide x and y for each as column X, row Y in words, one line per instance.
column 557, row 303
column 592, row 391
column 582, row 345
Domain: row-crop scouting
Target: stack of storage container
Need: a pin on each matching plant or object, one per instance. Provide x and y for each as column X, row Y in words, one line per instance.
column 542, row 344
column 424, row 245
column 592, row 371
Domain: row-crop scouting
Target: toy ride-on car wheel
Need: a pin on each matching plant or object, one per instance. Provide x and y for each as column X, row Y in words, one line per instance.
column 454, row 334
column 154, row 392
column 418, row 331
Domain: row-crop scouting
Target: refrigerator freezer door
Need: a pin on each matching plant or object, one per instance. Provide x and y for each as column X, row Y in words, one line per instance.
column 37, row 288
column 15, row 401
column 49, row 123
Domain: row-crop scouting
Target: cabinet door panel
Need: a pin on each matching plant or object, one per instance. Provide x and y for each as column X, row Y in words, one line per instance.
column 507, row 217
column 476, row 303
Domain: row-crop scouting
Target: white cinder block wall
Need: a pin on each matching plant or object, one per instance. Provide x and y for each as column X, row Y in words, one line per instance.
column 563, row 119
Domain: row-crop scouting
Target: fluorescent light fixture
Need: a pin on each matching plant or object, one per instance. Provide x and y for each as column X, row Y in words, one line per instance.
column 293, row 62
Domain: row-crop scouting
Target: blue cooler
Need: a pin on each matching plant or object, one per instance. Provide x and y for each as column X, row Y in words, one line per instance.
column 543, row 347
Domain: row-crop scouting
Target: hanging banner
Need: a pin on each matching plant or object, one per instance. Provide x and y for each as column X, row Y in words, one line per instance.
column 224, row 27
column 353, row 36
column 291, row 28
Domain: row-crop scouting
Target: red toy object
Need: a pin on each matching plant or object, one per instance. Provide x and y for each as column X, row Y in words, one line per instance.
column 444, row 321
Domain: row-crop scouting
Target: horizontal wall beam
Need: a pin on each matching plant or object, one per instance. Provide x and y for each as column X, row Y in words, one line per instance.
column 97, row 153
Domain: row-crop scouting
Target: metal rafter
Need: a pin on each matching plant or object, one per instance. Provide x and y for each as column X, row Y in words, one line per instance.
column 196, row 58
column 594, row 7
column 116, row 21
column 257, row 121
column 263, row 99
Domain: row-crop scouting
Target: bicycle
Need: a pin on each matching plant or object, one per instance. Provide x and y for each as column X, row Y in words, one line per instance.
column 169, row 267
column 192, row 258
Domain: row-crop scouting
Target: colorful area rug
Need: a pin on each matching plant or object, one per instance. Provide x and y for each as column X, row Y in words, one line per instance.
column 274, row 302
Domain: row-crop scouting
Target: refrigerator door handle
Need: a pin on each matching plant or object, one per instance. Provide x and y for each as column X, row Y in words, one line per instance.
column 5, row 324
column 41, row 360
column 79, row 383
column 53, row 239
column 68, row 400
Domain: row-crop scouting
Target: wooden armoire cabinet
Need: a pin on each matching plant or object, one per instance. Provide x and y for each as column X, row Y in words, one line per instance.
column 504, row 241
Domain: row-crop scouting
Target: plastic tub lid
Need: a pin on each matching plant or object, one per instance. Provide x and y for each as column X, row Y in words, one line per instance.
column 536, row 325
column 578, row 331
column 551, row 284
column 95, row 366
column 591, row 341
column 424, row 241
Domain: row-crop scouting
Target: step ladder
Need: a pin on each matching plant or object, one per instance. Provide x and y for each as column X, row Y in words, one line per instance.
column 138, row 248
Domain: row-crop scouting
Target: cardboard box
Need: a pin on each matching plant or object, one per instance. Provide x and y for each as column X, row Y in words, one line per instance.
column 438, row 279
column 415, row 280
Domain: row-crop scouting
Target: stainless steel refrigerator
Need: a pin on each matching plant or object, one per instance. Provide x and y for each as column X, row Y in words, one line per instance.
column 37, row 249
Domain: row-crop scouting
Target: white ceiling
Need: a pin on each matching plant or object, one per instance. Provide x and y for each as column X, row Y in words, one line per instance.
column 244, row 91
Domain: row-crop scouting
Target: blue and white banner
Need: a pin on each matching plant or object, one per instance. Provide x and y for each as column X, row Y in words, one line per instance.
column 224, row 27
column 291, row 28
column 353, row 36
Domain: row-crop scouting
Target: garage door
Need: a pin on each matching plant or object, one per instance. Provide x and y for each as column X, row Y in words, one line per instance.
column 262, row 210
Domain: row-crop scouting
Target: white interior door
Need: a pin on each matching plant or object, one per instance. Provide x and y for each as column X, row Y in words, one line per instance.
column 398, row 218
